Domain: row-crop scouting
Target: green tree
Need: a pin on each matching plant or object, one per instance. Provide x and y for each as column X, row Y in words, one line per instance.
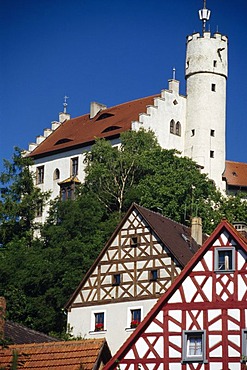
column 19, row 200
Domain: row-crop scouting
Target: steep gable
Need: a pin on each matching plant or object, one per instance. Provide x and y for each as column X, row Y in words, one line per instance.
column 207, row 302
column 143, row 242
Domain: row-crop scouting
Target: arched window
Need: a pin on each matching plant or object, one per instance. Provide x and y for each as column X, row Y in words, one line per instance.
column 178, row 128
column 56, row 174
column 172, row 126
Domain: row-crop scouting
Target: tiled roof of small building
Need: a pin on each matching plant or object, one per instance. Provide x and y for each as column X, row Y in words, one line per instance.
column 235, row 173
column 82, row 131
column 18, row 334
column 86, row 354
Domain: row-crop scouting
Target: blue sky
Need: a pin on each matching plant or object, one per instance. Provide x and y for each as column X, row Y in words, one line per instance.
column 110, row 51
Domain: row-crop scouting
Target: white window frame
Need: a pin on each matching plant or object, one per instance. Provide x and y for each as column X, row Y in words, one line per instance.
column 187, row 334
column 129, row 315
column 92, row 331
column 216, row 259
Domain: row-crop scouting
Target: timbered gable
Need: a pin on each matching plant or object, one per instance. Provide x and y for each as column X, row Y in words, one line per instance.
column 200, row 323
column 144, row 255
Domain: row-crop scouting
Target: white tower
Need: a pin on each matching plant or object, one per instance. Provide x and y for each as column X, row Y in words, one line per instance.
column 206, row 74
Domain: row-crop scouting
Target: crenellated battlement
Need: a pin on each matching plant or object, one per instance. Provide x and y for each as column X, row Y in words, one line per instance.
column 206, row 35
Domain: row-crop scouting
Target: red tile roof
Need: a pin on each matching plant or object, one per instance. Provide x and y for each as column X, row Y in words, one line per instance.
column 235, row 173
column 86, row 354
column 82, row 131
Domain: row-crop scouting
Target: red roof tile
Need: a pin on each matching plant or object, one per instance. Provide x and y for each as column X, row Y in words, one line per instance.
column 236, row 173
column 81, row 131
column 84, row 354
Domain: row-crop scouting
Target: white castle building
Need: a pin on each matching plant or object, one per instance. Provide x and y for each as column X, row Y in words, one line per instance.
column 193, row 124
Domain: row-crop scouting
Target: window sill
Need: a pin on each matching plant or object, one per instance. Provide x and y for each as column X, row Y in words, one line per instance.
column 224, row 271
column 198, row 360
column 130, row 329
column 93, row 332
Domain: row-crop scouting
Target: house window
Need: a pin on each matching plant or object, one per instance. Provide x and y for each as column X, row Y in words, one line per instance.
column 116, row 279
column 135, row 317
column 67, row 192
column 213, row 87
column 178, row 129
column 244, row 345
column 212, row 132
column 134, row 241
column 224, row 259
column 99, row 323
column 194, row 346
column 153, row 275
column 172, row 126
column 211, row 153
column 56, row 174
column 40, row 175
column 74, row 166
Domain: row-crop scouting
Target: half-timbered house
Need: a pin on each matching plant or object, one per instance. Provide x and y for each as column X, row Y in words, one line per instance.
column 200, row 323
column 143, row 257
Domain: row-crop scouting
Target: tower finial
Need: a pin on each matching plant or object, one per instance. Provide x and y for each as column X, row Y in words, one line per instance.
column 204, row 15
column 65, row 104
column 174, row 73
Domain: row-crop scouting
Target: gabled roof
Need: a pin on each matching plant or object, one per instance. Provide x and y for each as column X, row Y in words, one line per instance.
column 235, row 174
column 84, row 354
column 82, row 131
column 18, row 334
column 224, row 225
column 175, row 237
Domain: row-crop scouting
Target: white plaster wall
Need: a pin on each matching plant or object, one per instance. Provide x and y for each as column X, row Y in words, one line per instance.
column 117, row 319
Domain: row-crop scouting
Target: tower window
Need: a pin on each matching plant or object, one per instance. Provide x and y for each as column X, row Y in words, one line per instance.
column 215, row 63
column 212, row 132
column 211, row 153
column 193, row 132
column 213, row 87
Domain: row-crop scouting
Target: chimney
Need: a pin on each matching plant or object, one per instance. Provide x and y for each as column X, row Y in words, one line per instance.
column 196, row 229
column 95, row 108
column 2, row 316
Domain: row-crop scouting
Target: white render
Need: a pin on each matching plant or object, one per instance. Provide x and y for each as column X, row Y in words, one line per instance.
column 117, row 321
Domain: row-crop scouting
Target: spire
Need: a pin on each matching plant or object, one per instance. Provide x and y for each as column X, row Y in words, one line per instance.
column 65, row 104
column 204, row 15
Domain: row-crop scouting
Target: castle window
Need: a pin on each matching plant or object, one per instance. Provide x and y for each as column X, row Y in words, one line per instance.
column 99, row 321
column 224, row 259
column 178, row 128
column 194, row 349
column 215, row 63
column 211, row 154
column 40, row 175
column 116, row 279
column 56, row 174
column 193, row 132
column 39, row 209
column 172, row 126
column 153, row 275
column 213, row 87
column 74, row 166
column 212, row 132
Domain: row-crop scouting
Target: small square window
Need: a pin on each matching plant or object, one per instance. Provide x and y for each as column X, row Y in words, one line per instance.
column 154, row 275
column 116, row 279
column 212, row 132
column 194, row 348
column 134, row 241
column 74, row 166
column 40, row 175
column 211, row 154
column 135, row 317
column 213, row 87
column 224, row 259
column 99, row 321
